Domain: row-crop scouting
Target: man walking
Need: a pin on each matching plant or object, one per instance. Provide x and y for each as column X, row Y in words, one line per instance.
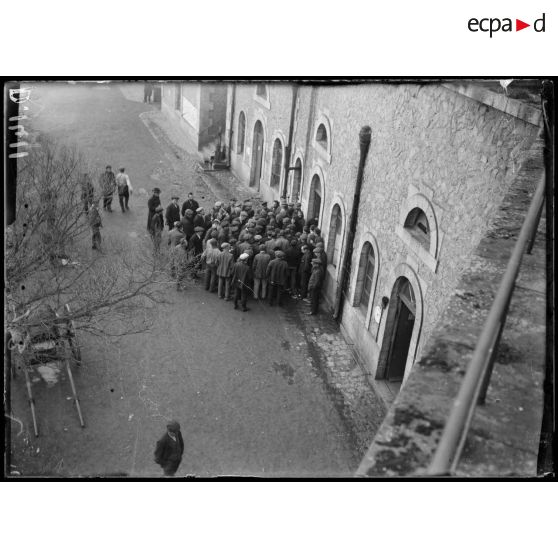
column 124, row 189
column 152, row 204
column 169, row 449
column 240, row 280
column 108, row 185
column 172, row 214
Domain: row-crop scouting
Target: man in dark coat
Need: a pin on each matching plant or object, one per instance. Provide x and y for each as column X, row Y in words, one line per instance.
column 195, row 242
column 320, row 253
column 107, row 181
column 188, row 226
column 87, row 192
column 277, row 271
column 190, row 203
column 293, row 256
column 152, row 204
column 315, row 285
column 147, row 92
column 199, row 219
column 169, row 449
column 172, row 214
column 157, row 227
column 304, row 270
column 242, row 275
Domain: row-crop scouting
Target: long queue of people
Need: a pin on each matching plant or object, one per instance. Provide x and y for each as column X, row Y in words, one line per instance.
column 246, row 250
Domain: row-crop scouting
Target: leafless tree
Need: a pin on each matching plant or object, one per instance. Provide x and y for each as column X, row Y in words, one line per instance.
column 49, row 258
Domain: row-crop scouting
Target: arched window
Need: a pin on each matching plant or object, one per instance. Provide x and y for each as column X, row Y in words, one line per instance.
column 241, row 133
column 334, row 237
column 365, row 276
column 321, row 136
column 261, row 90
column 276, row 163
column 417, row 225
column 315, row 200
column 297, row 178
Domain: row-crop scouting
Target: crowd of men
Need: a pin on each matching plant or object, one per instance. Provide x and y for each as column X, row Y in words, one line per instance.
column 247, row 249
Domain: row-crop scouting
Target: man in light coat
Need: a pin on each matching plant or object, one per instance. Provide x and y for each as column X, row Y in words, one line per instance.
column 225, row 265
column 259, row 269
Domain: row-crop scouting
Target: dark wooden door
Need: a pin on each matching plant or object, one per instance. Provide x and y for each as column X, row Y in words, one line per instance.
column 399, row 351
column 257, row 155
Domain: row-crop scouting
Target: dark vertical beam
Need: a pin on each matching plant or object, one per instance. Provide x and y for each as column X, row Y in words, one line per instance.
column 288, row 147
column 364, row 137
column 547, row 444
column 233, row 103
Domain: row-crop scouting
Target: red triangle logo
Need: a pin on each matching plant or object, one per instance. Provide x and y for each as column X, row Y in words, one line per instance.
column 519, row 25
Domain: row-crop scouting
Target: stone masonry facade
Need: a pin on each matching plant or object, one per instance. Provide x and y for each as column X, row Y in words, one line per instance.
column 432, row 148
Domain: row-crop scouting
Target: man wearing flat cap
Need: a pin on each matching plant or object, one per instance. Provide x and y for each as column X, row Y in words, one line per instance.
column 172, row 214
column 169, row 449
column 190, row 203
column 241, row 278
column 195, row 242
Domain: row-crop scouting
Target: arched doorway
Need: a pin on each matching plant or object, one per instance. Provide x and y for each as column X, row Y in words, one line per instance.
column 399, row 329
column 257, row 155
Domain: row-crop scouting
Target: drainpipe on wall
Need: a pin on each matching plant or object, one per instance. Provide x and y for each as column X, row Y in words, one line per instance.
column 233, row 102
column 364, row 137
column 288, row 148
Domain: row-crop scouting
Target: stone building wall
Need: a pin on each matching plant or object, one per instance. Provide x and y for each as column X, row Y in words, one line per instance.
column 433, row 148
column 274, row 114
column 187, row 117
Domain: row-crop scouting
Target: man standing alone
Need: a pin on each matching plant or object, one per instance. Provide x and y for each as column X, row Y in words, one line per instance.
column 169, row 450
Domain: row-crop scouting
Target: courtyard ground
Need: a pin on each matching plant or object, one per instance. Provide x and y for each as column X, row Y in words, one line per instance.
column 270, row 392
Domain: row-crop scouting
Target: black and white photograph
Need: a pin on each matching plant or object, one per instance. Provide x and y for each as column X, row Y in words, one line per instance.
column 279, row 278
